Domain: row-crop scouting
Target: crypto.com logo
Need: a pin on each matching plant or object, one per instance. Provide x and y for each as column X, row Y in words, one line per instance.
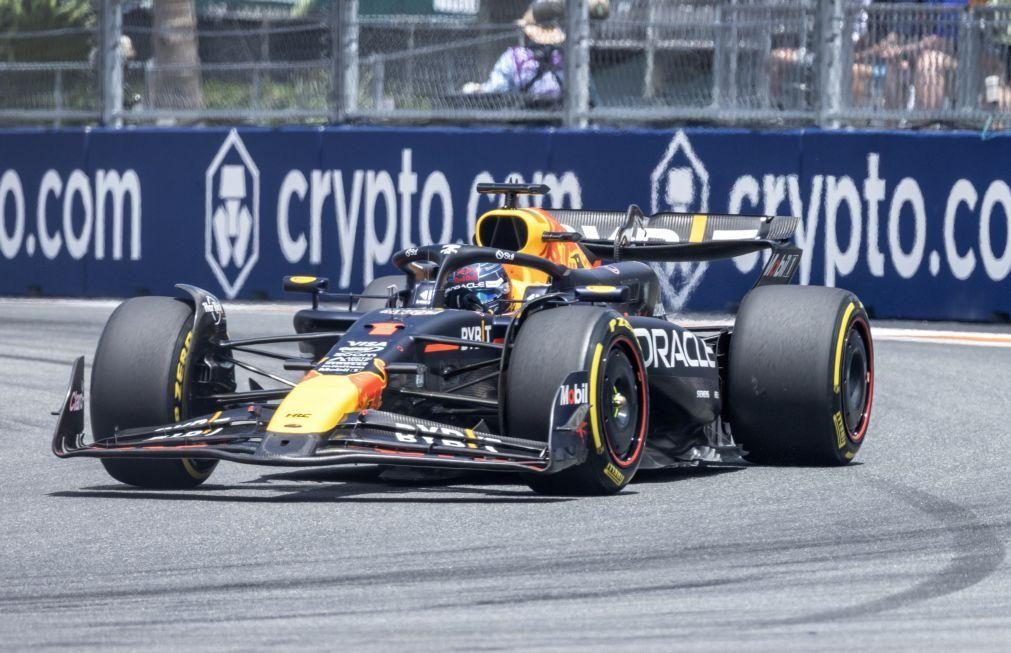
column 679, row 183
column 232, row 215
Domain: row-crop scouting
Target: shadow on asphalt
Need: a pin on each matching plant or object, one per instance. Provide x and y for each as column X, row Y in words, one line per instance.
column 300, row 494
column 674, row 474
column 359, row 484
column 371, row 485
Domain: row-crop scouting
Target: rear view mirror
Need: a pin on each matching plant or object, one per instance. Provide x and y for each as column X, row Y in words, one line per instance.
column 307, row 284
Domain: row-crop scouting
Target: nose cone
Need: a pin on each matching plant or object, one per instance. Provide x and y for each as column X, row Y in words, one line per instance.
column 320, row 402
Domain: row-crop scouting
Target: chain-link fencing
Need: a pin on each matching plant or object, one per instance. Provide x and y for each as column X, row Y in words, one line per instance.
column 705, row 61
column 48, row 69
column 569, row 62
column 439, row 68
column 992, row 79
column 912, row 63
column 244, row 70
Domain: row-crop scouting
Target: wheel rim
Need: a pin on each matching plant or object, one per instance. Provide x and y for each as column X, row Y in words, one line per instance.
column 621, row 403
column 857, row 384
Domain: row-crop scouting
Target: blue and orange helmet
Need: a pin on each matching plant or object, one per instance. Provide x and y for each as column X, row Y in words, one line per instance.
column 479, row 287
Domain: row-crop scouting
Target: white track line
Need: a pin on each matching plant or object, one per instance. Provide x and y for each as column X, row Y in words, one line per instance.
column 231, row 307
column 895, row 334
column 970, row 338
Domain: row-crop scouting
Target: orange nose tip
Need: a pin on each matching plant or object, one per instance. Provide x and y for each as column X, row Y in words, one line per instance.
column 385, row 328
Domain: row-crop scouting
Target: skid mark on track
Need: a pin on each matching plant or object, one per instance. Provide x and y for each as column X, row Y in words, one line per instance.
column 568, row 594
column 50, row 595
column 977, row 552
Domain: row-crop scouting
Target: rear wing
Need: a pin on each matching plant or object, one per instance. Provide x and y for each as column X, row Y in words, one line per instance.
column 672, row 237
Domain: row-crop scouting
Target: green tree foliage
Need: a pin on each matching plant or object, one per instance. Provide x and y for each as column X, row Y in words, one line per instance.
column 21, row 19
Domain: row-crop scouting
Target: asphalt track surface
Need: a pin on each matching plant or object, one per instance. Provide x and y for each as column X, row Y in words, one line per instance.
column 905, row 550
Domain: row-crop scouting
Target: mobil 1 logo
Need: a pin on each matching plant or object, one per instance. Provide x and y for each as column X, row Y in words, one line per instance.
column 572, row 405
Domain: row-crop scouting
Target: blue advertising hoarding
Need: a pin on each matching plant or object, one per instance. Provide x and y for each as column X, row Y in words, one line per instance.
column 916, row 223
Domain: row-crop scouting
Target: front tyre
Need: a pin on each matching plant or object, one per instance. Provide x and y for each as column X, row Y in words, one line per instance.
column 139, row 379
column 801, row 375
column 550, row 346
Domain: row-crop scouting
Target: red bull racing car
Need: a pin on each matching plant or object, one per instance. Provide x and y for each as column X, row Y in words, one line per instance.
column 542, row 349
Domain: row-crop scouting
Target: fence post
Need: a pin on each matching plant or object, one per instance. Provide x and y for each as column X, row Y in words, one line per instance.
column 58, row 96
column 649, row 81
column 577, row 63
column 344, row 57
column 730, row 91
column 110, row 60
column 968, row 76
column 719, row 58
column 832, row 18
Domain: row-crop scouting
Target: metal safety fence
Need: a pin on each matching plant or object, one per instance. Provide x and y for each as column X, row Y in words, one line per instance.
column 573, row 62
column 49, row 74
column 259, row 71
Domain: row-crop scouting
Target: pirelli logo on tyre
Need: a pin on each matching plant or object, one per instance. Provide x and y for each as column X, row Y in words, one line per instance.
column 177, row 389
column 618, row 321
column 840, row 430
column 612, row 472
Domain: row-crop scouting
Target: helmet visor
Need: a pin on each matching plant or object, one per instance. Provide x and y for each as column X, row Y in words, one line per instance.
column 489, row 298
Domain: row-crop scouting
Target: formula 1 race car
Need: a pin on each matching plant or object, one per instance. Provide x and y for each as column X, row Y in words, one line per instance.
column 543, row 349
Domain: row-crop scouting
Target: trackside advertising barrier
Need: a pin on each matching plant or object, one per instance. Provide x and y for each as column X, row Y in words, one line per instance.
column 916, row 223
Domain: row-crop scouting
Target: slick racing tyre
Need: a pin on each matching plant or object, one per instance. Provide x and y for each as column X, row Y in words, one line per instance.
column 379, row 286
column 801, row 375
column 550, row 346
column 138, row 379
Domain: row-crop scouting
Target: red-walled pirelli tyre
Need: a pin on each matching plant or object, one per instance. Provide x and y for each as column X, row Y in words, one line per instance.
column 801, row 375
column 550, row 346
column 138, row 379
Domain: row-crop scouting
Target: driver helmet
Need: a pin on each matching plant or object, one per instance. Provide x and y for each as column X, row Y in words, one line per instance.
column 479, row 287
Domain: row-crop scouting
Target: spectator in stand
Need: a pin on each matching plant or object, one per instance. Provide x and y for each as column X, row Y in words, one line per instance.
column 878, row 68
column 785, row 64
column 997, row 85
column 535, row 68
column 918, row 44
column 936, row 60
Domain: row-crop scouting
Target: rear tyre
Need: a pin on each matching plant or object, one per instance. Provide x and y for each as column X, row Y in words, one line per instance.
column 379, row 286
column 801, row 375
column 139, row 379
column 550, row 346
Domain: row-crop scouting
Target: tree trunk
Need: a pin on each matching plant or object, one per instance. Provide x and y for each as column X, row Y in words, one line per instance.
column 175, row 46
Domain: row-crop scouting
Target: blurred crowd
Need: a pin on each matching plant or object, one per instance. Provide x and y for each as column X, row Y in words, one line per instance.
column 908, row 58
column 917, row 60
column 903, row 58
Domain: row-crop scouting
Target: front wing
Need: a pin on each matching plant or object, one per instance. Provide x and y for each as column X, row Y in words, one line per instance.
column 371, row 436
